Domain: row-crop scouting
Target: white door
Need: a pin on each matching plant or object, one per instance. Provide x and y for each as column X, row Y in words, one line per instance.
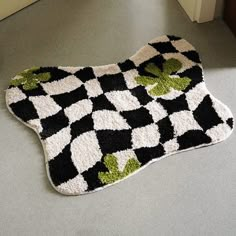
column 199, row 10
column 8, row 7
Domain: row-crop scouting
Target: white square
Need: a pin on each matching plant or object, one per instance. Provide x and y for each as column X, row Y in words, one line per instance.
column 156, row 110
column 56, row 143
column 219, row 132
column 182, row 45
column 78, row 110
column 14, row 95
column 195, row 96
column 222, row 111
column 65, row 85
column 85, row 151
column 147, row 136
column 123, row 100
column 45, row 106
column 130, row 78
column 111, row 120
column 93, row 88
column 171, row 146
column 36, row 125
column 76, row 185
column 106, row 70
column 144, row 54
column 183, row 121
column 123, row 157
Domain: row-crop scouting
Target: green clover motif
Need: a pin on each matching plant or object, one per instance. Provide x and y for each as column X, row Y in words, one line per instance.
column 162, row 80
column 29, row 79
column 114, row 173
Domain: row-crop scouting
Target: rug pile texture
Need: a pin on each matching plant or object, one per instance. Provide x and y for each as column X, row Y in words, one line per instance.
column 100, row 124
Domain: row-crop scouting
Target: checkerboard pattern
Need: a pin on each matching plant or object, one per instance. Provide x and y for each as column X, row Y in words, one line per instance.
column 84, row 113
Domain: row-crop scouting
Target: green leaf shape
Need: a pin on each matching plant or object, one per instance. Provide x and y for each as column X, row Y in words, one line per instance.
column 179, row 83
column 146, row 80
column 18, row 81
column 171, row 65
column 29, row 80
column 114, row 173
column 160, row 89
column 162, row 81
column 153, row 69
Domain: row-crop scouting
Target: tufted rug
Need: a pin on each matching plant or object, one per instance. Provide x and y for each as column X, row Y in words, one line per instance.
column 101, row 124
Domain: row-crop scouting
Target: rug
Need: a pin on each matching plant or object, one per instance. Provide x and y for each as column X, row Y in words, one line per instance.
column 101, row 124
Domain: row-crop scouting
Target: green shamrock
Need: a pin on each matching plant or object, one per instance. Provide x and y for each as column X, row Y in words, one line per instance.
column 29, row 79
column 162, row 80
column 114, row 173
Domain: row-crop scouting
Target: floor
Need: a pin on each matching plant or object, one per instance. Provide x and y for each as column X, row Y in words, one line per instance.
column 192, row 193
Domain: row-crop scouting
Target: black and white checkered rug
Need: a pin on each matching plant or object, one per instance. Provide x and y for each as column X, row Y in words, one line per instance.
column 99, row 125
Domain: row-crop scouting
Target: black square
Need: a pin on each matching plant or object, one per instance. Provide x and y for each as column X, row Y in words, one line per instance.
column 24, row 109
column 53, row 124
column 81, row 126
column 85, row 74
column 112, row 82
column 230, row 122
column 55, row 73
column 102, row 103
column 111, row 141
column 206, row 115
column 138, row 118
column 192, row 55
column 166, row 129
column 61, row 168
column 192, row 138
column 147, row 154
column 33, row 92
column 141, row 94
column 164, row 47
column 177, row 104
column 66, row 99
column 91, row 175
column 173, row 38
column 126, row 65
column 158, row 60
column 195, row 74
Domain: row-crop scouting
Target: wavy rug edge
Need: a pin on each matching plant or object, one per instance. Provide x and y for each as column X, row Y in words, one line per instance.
column 142, row 167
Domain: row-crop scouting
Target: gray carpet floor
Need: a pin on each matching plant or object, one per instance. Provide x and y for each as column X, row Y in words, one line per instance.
column 192, row 193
